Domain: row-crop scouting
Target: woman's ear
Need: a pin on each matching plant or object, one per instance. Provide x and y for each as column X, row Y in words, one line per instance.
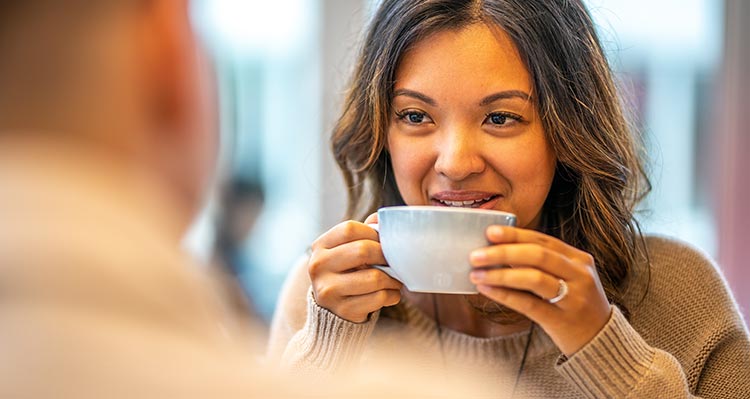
column 179, row 93
column 168, row 59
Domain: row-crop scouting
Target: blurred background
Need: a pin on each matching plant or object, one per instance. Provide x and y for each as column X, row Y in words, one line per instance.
column 283, row 65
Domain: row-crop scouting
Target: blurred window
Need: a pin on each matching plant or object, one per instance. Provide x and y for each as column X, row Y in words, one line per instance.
column 267, row 58
column 666, row 55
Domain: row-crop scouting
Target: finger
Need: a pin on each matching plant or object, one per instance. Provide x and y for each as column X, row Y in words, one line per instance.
column 346, row 256
column 508, row 234
column 365, row 281
column 372, row 219
column 345, row 232
column 529, row 305
column 542, row 284
column 357, row 308
column 530, row 255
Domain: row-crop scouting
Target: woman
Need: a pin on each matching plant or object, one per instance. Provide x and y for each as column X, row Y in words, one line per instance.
column 509, row 105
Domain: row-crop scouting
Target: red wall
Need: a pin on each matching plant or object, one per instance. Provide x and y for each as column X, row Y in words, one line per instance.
column 733, row 196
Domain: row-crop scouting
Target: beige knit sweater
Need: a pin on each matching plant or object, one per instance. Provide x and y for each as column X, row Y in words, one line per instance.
column 685, row 338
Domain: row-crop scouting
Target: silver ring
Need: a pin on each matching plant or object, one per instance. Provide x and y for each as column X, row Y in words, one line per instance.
column 562, row 292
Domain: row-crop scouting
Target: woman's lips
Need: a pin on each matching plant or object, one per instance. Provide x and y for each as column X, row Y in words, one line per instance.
column 466, row 199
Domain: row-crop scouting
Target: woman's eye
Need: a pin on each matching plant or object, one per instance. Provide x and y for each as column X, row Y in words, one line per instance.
column 413, row 117
column 498, row 119
column 502, row 119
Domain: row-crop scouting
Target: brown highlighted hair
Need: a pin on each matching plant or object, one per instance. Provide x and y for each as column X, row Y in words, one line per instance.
column 599, row 177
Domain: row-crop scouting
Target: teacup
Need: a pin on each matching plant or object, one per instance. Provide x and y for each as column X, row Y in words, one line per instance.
column 427, row 247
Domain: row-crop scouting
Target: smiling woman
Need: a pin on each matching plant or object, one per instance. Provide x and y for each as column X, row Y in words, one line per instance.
column 509, row 105
column 484, row 143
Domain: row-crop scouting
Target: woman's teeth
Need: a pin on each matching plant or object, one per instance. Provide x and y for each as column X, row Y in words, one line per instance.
column 466, row 204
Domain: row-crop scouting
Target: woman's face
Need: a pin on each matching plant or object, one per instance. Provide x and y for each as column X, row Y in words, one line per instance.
column 464, row 130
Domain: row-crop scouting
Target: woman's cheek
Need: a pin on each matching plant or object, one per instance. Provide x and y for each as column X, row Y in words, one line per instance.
column 411, row 168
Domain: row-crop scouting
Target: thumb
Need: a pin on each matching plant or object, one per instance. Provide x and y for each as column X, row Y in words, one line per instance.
column 372, row 219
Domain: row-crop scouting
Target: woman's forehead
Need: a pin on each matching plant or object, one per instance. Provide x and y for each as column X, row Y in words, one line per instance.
column 474, row 59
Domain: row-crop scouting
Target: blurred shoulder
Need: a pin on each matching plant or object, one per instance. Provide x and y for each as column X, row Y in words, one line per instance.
column 291, row 309
column 292, row 300
column 297, row 283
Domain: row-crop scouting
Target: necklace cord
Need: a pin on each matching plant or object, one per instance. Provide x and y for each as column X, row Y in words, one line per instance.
column 438, row 327
column 523, row 360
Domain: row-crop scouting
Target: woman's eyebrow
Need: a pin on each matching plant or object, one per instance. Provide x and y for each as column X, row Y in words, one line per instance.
column 502, row 95
column 415, row 94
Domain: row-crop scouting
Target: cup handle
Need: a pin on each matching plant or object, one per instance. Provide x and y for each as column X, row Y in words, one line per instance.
column 385, row 268
column 389, row 271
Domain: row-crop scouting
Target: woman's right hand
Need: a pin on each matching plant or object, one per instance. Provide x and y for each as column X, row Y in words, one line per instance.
column 343, row 280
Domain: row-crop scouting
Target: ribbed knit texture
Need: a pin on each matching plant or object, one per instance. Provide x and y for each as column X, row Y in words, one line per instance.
column 617, row 355
column 685, row 338
column 331, row 343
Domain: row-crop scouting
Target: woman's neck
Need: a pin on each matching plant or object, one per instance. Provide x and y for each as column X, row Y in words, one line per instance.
column 456, row 313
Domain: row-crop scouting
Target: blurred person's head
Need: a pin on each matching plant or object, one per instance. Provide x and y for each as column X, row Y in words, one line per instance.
column 242, row 202
column 422, row 115
column 121, row 78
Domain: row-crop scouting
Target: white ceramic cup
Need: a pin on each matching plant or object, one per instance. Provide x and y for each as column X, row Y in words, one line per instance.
column 427, row 247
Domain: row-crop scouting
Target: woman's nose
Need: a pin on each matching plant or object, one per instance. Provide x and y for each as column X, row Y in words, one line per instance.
column 458, row 156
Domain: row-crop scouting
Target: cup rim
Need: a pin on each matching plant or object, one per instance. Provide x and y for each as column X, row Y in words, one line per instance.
column 445, row 209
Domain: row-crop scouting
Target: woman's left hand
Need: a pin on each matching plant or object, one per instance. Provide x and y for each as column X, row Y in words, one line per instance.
column 538, row 264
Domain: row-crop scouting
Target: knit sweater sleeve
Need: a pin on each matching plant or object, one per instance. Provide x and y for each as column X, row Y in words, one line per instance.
column 618, row 363
column 710, row 346
column 309, row 338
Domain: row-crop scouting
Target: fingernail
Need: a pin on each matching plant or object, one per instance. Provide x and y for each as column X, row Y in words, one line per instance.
column 495, row 231
column 478, row 256
column 477, row 275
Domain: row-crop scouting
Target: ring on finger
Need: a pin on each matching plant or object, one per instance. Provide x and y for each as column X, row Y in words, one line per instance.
column 562, row 292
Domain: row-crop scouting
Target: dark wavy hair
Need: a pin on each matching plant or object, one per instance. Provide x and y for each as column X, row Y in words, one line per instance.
column 599, row 177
